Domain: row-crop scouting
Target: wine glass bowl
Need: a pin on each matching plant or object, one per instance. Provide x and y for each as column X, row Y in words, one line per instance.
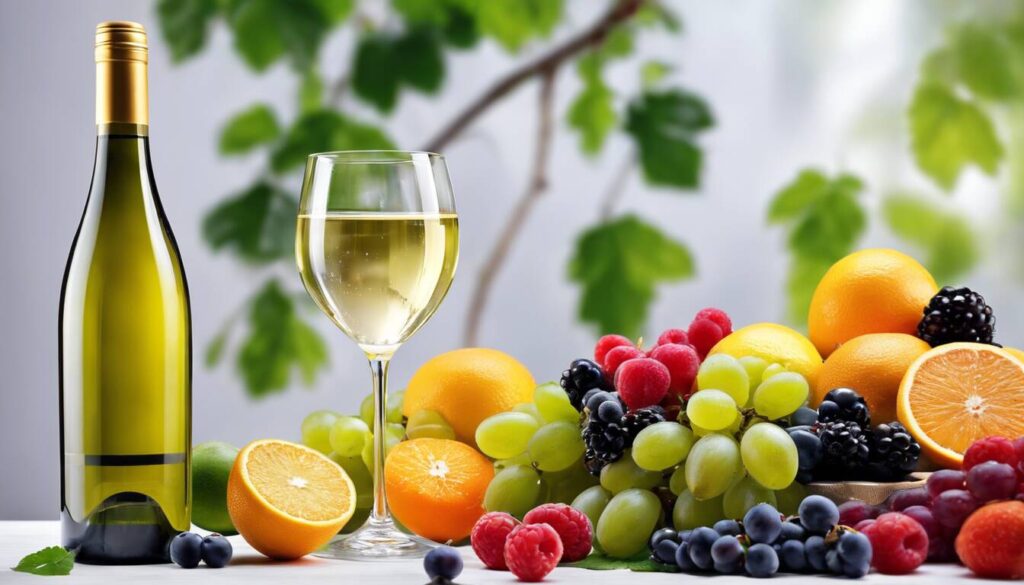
column 377, row 241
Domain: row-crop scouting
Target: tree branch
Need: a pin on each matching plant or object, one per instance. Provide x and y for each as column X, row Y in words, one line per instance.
column 513, row 226
column 620, row 11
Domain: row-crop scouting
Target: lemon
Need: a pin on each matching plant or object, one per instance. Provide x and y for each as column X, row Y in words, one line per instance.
column 773, row 343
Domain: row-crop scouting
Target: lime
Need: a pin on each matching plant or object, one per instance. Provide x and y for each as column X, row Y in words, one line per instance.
column 211, row 466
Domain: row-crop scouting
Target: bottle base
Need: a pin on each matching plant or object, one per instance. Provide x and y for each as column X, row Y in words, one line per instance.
column 126, row 529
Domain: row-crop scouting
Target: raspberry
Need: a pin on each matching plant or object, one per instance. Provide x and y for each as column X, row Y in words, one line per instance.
column 572, row 526
column 642, row 382
column 718, row 316
column 991, row 542
column 899, row 543
column 488, row 538
column 606, row 344
column 998, row 449
column 704, row 334
column 532, row 551
column 682, row 362
column 937, row 536
column 614, row 358
column 673, row 336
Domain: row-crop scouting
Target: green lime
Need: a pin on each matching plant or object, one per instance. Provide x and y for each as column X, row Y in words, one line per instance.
column 211, row 466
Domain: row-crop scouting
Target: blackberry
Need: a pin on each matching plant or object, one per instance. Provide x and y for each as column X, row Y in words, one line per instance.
column 894, row 453
column 957, row 314
column 583, row 375
column 604, row 436
column 638, row 420
column 845, row 449
column 844, row 404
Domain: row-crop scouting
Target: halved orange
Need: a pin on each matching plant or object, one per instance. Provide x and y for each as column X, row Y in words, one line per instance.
column 436, row 487
column 957, row 393
column 288, row 500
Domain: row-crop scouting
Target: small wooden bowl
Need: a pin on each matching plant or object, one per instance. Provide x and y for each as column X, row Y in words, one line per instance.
column 870, row 492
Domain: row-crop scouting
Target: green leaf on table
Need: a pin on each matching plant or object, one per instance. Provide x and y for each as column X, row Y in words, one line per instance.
column 184, row 25
column 513, row 22
column 265, row 30
column 311, row 92
column 619, row 263
column 945, row 236
column 52, row 560
column 248, row 129
column 258, row 224
column 983, row 61
column 325, row 130
column 949, row 133
column 279, row 342
column 665, row 126
column 384, row 62
column 640, row 563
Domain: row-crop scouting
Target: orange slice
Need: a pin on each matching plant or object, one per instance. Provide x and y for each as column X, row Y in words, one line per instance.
column 436, row 487
column 288, row 500
column 958, row 393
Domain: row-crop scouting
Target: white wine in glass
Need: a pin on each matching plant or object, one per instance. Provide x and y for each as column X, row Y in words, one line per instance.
column 377, row 243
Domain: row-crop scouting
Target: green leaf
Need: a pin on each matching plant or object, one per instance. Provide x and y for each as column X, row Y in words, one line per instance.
column 278, row 342
column 184, row 25
column 52, row 560
column 948, row 133
column 619, row 263
column 640, row 563
column 830, row 227
column 513, row 22
column 311, row 92
column 325, row 130
column 384, row 62
column 665, row 126
column 420, row 61
column 215, row 350
column 657, row 14
column 456, row 19
column 653, row 73
column 592, row 113
column 945, row 236
column 804, row 274
column 983, row 60
column 266, row 30
column 248, row 129
column 258, row 224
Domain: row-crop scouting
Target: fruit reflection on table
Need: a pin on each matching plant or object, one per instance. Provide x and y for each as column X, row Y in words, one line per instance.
column 706, row 450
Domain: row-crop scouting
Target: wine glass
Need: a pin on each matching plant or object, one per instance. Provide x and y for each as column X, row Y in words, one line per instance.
column 377, row 242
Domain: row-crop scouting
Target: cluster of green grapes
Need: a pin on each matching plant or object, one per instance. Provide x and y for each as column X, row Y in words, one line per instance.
column 538, row 453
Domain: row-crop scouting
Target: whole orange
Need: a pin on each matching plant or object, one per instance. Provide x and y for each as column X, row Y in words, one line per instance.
column 468, row 385
column 436, row 487
column 873, row 365
column 870, row 291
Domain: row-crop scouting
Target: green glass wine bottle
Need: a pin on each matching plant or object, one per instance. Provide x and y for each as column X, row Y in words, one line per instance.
column 125, row 337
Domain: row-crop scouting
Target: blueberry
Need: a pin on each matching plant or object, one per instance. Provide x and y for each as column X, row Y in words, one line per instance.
column 809, row 449
column 444, row 562
column 834, row 563
column 792, row 531
column 186, row 550
column 662, row 534
column 818, row 514
column 727, row 527
column 727, row 554
column 804, row 416
column 700, row 543
column 683, row 557
column 665, row 551
column 762, row 523
column 598, row 399
column 792, row 556
column 610, row 411
column 216, row 551
column 815, row 550
column 855, row 552
column 762, row 561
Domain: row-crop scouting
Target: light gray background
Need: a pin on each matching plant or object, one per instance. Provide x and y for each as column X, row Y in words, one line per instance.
column 792, row 83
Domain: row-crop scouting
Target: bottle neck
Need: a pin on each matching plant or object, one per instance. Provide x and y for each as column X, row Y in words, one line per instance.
column 122, row 93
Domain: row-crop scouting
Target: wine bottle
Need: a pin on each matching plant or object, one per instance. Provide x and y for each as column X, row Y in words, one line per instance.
column 125, row 337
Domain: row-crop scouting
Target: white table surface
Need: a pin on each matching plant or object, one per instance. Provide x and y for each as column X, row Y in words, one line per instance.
column 249, row 567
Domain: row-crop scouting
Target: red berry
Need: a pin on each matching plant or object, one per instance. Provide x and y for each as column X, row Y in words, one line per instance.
column 704, row 334
column 532, row 551
column 992, row 481
column 945, row 479
column 572, row 526
column 860, row 526
column 991, row 542
column 673, row 336
column 952, row 507
column 682, row 362
column 901, row 499
column 998, row 449
column 606, row 343
column 899, row 544
column 614, row 358
column 488, row 538
column 718, row 316
column 940, row 547
column 854, row 511
column 1018, row 445
column 642, row 382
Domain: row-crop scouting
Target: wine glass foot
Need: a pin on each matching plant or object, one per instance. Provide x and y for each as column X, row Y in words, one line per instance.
column 376, row 540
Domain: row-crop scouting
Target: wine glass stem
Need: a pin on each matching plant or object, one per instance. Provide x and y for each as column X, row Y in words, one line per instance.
column 379, row 368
